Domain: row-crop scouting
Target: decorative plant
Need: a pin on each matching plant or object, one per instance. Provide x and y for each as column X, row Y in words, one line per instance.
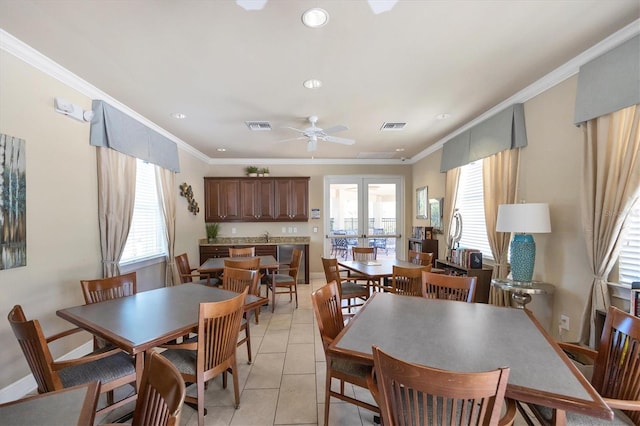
column 264, row 170
column 251, row 169
column 212, row 230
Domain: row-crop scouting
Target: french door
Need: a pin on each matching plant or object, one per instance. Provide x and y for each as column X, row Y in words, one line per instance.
column 363, row 211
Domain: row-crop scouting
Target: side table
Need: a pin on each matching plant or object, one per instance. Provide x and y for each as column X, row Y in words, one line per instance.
column 521, row 291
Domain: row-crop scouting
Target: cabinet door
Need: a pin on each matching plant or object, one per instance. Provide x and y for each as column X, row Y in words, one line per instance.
column 257, row 200
column 222, row 200
column 292, row 200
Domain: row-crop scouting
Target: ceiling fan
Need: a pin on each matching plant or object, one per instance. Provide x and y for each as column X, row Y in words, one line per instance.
column 314, row 133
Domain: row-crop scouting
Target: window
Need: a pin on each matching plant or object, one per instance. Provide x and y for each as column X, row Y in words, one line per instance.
column 147, row 234
column 629, row 260
column 470, row 204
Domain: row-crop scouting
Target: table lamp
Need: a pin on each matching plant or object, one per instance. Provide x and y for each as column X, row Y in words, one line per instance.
column 523, row 220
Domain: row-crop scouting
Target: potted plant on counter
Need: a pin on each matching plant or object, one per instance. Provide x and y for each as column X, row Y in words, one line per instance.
column 212, row 231
column 264, row 171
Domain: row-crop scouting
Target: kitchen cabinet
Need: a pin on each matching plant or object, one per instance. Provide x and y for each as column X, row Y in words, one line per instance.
column 280, row 199
column 222, row 200
column 292, row 200
column 257, row 200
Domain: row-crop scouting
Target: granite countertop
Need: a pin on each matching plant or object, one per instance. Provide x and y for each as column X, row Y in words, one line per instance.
column 225, row 241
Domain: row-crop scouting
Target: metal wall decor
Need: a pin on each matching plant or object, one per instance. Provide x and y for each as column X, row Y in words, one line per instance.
column 187, row 192
column 13, row 202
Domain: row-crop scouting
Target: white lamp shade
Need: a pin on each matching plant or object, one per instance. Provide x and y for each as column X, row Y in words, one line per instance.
column 526, row 218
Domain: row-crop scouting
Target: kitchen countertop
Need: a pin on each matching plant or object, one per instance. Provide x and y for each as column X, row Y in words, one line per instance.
column 225, row 241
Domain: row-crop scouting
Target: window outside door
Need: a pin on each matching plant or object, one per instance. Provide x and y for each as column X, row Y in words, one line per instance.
column 363, row 211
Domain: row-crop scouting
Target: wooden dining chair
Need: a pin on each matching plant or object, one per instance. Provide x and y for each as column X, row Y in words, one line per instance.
column 355, row 294
column 363, row 254
column 327, row 308
column 242, row 252
column 238, row 280
column 191, row 275
column 421, row 258
column 253, row 264
column 161, row 394
column 615, row 372
column 406, row 281
column 113, row 368
column 450, row 287
column 285, row 278
column 417, row 394
column 213, row 352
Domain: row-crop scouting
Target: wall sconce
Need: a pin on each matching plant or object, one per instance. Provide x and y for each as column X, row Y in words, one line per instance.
column 65, row 107
column 187, row 192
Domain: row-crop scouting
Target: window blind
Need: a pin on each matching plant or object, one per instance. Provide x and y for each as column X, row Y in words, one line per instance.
column 146, row 237
column 629, row 259
column 470, row 204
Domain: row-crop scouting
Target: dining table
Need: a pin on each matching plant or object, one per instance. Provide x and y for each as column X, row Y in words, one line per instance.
column 70, row 406
column 472, row 337
column 150, row 318
column 215, row 265
column 376, row 271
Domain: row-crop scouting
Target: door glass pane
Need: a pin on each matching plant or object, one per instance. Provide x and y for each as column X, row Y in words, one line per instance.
column 381, row 218
column 343, row 218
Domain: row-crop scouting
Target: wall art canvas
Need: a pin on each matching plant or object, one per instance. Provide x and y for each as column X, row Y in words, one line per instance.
column 13, row 202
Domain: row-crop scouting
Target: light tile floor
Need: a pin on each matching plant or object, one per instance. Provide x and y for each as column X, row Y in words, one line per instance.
column 285, row 383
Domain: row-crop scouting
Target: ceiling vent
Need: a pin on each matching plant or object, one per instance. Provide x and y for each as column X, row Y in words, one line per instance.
column 389, row 127
column 258, row 126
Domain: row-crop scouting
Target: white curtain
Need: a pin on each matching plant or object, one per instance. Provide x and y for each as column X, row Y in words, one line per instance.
column 611, row 182
column 165, row 179
column 116, row 197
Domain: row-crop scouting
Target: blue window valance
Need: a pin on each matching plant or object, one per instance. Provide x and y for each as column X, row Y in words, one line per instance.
column 610, row 82
column 504, row 130
column 114, row 129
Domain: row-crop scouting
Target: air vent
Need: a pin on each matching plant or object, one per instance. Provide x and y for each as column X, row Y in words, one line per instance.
column 258, row 126
column 389, row 127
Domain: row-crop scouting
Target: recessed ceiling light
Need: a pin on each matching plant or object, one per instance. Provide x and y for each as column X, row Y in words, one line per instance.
column 221, row 149
column 399, row 149
column 443, row 116
column 312, row 83
column 179, row 115
column 315, row 17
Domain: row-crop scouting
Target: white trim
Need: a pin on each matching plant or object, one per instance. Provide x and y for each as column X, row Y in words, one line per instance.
column 31, row 56
column 134, row 265
column 27, row 384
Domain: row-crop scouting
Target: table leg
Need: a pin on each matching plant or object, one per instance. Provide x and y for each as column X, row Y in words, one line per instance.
column 521, row 299
column 139, row 369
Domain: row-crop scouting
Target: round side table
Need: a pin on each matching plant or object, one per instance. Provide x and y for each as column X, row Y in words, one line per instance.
column 521, row 291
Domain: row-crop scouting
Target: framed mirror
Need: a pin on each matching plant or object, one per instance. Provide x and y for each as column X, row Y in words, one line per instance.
column 435, row 212
column 422, row 203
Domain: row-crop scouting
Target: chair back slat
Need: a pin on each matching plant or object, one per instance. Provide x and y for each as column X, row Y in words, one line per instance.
column 237, row 280
column 414, row 394
column 109, row 288
column 35, row 349
column 242, row 252
column 218, row 329
column 420, row 258
column 364, row 253
column 616, row 372
column 406, row 281
column 326, row 306
column 440, row 286
column 161, row 394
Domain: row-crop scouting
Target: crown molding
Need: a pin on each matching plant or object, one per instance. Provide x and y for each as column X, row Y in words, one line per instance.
column 34, row 58
column 26, row 53
column 555, row 77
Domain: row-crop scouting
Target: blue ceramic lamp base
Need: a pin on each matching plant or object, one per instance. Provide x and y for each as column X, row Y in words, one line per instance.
column 523, row 257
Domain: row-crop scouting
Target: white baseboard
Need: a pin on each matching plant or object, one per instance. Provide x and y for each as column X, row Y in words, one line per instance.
column 26, row 385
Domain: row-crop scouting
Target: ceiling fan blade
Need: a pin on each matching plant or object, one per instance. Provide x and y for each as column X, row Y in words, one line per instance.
column 293, row 128
column 292, row 139
column 335, row 129
column 343, row 141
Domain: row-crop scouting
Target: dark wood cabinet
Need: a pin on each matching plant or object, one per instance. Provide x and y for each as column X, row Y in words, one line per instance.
column 281, row 199
column 222, row 200
column 292, row 200
column 425, row 246
column 257, row 200
column 483, row 275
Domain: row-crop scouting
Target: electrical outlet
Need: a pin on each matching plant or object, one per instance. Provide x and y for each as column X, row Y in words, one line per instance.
column 564, row 322
column 295, row 230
